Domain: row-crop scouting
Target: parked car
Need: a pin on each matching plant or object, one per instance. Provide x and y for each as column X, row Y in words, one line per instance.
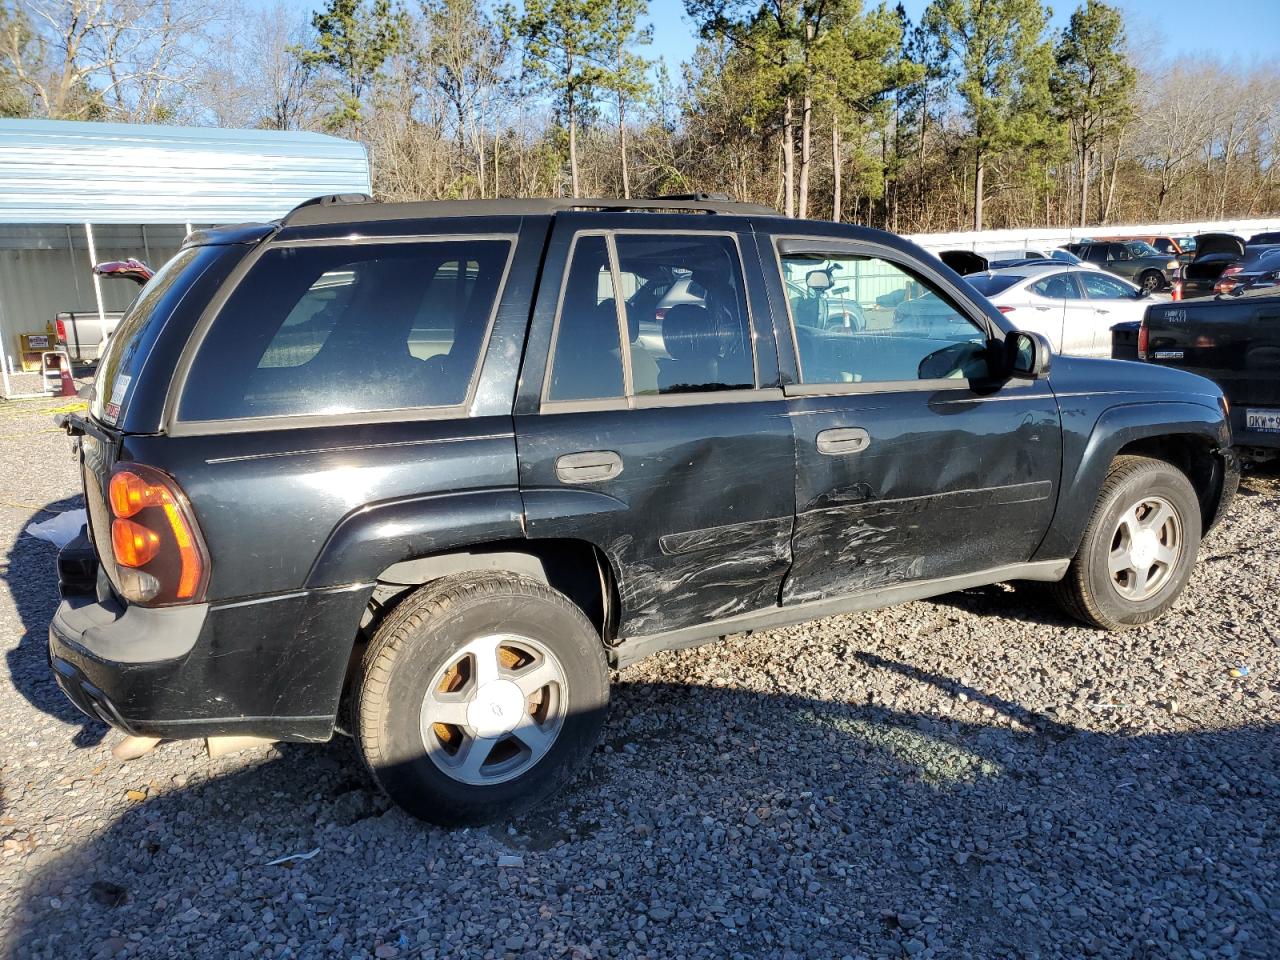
column 1215, row 253
column 1133, row 260
column 1234, row 340
column 1270, row 237
column 1073, row 307
column 1257, row 268
column 84, row 333
column 1181, row 247
column 292, row 516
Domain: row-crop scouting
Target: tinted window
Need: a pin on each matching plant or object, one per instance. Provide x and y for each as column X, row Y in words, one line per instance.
column 1060, row 286
column 348, row 329
column 686, row 313
column 1099, row 286
column 1097, row 253
column 138, row 328
column 1118, row 251
column 909, row 331
column 587, row 360
column 990, row 286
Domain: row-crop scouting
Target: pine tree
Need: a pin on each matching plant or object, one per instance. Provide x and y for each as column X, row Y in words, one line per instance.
column 353, row 40
column 1093, row 83
column 564, row 47
column 1002, row 60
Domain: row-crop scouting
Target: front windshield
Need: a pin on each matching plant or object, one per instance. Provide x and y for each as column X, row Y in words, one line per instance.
column 1140, row 248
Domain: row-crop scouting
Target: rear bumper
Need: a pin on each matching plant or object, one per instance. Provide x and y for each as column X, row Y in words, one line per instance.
column 270, row 667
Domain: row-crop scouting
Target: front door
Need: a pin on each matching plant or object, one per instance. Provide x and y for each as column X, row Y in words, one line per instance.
column 1111, row 301
column 914, row 462
column 657, row 430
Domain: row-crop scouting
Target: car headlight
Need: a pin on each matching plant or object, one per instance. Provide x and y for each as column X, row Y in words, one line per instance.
column 1171, row 265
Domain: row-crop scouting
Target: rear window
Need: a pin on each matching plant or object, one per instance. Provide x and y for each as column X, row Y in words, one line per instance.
column 349, row 329
column 129, row 344
column 990, row 286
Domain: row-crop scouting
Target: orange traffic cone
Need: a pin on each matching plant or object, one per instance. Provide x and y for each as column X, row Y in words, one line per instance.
column 68, row 382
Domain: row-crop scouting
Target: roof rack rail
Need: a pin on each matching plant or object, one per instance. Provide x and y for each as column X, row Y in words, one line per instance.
column 337, row 208
column 330, row 200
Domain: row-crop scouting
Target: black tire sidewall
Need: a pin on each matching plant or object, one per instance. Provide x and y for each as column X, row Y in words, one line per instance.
column 413, row 780
column 1153, row 480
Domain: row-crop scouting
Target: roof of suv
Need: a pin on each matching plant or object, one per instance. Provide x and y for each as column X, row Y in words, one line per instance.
column 360, row 208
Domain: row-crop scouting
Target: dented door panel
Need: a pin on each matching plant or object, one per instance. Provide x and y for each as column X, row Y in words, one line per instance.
column 949, row 482
column 697, row 524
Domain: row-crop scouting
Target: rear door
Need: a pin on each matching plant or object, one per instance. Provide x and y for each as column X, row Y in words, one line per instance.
column 652, row 424
column 913, row 462
column 1108, row 301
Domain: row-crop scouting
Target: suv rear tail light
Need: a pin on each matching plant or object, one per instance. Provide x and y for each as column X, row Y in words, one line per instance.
column 62, row 330
column 158, row 550
column 1144, row 340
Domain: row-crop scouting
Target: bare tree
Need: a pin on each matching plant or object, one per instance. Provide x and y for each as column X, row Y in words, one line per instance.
column 123, row 58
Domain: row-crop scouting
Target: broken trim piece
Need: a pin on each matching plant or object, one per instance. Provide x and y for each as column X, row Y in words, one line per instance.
column 633, row 649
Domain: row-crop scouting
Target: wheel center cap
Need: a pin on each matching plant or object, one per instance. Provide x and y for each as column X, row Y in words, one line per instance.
column 1143, row 551
column 498, row 708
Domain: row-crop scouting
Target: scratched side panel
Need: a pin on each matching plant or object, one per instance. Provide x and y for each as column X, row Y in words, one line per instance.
column 698, row 524
column 951, row 482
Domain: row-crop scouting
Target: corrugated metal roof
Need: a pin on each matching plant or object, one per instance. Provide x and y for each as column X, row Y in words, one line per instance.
column 65, row 171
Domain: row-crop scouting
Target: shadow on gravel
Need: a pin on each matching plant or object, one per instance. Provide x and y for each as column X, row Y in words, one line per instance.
column 737, row 820
column 31, row 575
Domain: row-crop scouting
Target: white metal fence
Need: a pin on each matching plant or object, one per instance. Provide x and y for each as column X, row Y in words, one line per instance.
column 1037, row 238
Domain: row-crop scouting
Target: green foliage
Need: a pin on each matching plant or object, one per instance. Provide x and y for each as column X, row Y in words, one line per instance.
column 354, row 38
column 998, row 51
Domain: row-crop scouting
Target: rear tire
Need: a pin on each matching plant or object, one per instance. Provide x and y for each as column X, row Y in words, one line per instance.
column 479, row 697
column 1139, row 547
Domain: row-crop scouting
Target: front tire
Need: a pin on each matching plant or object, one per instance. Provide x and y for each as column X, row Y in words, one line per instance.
column 1139, row 547
column 479, row 697
column 1151, row 281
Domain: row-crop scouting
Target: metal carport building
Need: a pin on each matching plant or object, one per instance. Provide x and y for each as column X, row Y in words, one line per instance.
column 74, row 193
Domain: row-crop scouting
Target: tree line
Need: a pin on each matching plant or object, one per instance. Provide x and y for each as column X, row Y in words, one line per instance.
column 978, row 115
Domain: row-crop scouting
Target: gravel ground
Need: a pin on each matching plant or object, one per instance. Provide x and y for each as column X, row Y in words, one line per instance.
column 970, row 777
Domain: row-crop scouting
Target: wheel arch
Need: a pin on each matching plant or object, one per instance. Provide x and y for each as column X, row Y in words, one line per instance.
column 1192, row 436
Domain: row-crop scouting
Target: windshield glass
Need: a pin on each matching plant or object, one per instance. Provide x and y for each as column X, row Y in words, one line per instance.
column 1140, row 248
column 994, row 283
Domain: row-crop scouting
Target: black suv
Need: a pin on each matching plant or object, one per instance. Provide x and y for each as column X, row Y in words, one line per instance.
column 437, row 467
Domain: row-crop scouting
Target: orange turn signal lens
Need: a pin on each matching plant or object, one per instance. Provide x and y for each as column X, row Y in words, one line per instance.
column 133, row 544
column 130, row 493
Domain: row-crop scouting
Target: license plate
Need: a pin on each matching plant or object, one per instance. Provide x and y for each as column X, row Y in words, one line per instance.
column 1265, row 421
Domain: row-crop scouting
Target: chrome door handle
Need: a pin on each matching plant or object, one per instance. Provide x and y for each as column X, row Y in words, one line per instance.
column 1043, row 308
column 588, row 467
column 842, row 440
column 1100, row 310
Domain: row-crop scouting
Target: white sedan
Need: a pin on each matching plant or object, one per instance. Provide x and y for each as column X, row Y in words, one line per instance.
column 1074, row 307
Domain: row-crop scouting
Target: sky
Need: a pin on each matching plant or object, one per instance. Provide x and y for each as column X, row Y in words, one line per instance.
column 1172, row 28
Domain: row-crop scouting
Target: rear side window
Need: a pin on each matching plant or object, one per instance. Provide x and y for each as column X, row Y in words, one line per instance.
column 349, row 329
column 677, row 320
column 991, row 285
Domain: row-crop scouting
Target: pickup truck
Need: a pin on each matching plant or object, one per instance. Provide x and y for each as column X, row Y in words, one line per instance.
column 427, row 471
column 84, row 333
column 1235, row 342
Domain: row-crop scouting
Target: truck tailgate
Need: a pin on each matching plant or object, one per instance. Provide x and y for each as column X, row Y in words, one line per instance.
column 1235, row 342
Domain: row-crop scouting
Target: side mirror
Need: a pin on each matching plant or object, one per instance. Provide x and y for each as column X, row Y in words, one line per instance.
column 1142, row 293
column 817, row 280
column 1029, row 354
